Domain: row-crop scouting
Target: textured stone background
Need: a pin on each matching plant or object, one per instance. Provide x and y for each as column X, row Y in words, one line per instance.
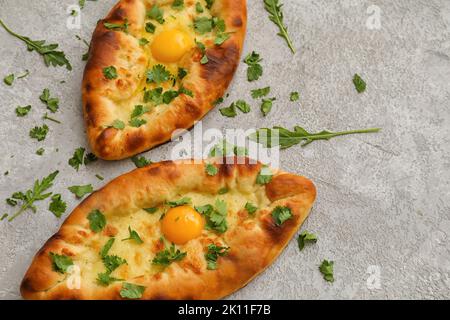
column 383, row 199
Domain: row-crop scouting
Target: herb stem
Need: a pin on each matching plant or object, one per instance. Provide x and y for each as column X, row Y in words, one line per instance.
column 46, row 117
column 324, row 136
column 24, row 39
column 18, row 213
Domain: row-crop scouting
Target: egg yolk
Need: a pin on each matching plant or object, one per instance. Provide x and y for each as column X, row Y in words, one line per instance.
column 181, row 224
column 171, row 45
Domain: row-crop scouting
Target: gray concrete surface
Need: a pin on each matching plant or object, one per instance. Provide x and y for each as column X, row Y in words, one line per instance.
column 384, row 199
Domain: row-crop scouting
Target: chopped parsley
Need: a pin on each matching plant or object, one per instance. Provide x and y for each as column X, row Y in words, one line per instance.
column 243, row 106
column 139, row 110
column 117, row 26
column 57, row 206
column 155, row 13
column 326, row 268
column 140, row 162
column 22, row 111
column 81, row 191
column 229, row 112
column 254, row 70
column 211, row 170
column 136, row 122
column 150, row 27
column 113, row 262
column 213, row 254
column 158, row 74
column 133, row 236
column 294, row 96
column 216, row 218
column 105, row 279
column 39, row 133
column 203, row 25
column 143, row 42
column 264, row 176
column 360, row 84
column 9, row 79
column 97, row 220
column 151, row 210
column 181, row 73
column 110, row 72
column 304, row 238
column 251, row 208
column 281, row 214
column 51, row 103
column 77, row 159
column 180, row 202
column 118, row 124
column 60, row 263
column 202, row 48
column 40, row 151
column 266, row 106
column 166, row 257
column 198, row 7
column 259, row 93
column 178, row 4
column 209, row 4
column 223, row 190
column 131, row 291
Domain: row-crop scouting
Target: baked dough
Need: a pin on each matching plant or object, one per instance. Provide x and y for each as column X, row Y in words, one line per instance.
column 255, row 240
column 107, row 100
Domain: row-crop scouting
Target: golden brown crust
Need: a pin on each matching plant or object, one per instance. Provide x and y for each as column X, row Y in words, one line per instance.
column 101, row 97
column 255, row 241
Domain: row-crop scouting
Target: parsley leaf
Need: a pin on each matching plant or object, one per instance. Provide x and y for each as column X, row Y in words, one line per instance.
column 97, row 220
column 223, row 190
column 360, row 84
column 52, row 103
column 140, row 162
column 229, row 112
column 213, row 254
column 113, row 262
column 131, row 291
column 57, row 206
column 279, row 136
column 143, row 42
column 40, row 151
column 139, row 110
column 154, row 96
column 156, row 13
column 209, row 4
column 110, row 72
column 221, row 38
column 167, row 256
column 326, row 268
column 77, row 158
column 273, row 7
column 259, row 93
column 117, row 26
column 151, row 210
column 216, row 218
column 294, row 96
column 202, row 49
column 150, row 27
column 22, row 111
column 104, row 251
column 180, row 202
column 9, row 79
column 243, row 106
column 264, row 176
column 178, row 4
column 133, row 236
column 305, row 237
column 158, row 74
column 254, row 70
column 105, row 279
column 51, row 56
column 250, row 207
column 181, row 73
column 169, row 96
column 266, row 106
column 39, row 133
column 211, row 170
column 60, row 263
column 136, row 122
column 34, row 194
column 81, row 191
column 281, row 214
column 117, row 124
column 198, row 7
column 203, row 25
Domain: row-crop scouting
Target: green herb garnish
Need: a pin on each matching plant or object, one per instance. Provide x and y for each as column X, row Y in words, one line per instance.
column 166, row 257
column 254, row 70
column 213, row 254
column 360, row 84
column 57, row 206
column 81, row 191
column 60, row 263
column 133, row 236
column 281, row 214
column 326, row 268
column 131, row 291
column 304, row 238
column 273, row 7
column 97, row 220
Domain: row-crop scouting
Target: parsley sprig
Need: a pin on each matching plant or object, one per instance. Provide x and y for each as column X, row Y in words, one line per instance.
column 273, row 7
column 30, row 196
column 51, row 56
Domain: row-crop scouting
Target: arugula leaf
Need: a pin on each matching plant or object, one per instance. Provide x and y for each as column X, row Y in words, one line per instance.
column 151, row 210
column 136, row 122
column 250, row 207
column 156, row 13
column 254, row 70
column 77, row 158
column 81, row 191
column 266, row 106
column 60, row 263
column 281, row 214
column 110, row 72
column 198, row 7
column 117, row 26
column 150, row 27
column 229, row 112
column 9, row 79
column 264, row 176
column 143, row 42
column 40, row 151
column 105, row 279
column 51, row 56
column 326, row 268
column 213, row 254
column 52, row 103
column 22, row 111
column 273, row 7
column 36, row 194
column 158, row 74
column 131, row 291
column 39, row 133
column 97, row 220
column 211, row 170
column 178, row 4
column 117, row 124
column 305, row 237
column 133, row 236
column 243, row 106
column 203, row 25
column 57, row 206
column 140, row 162
column 360, row 84
column 104, row 251
column 259, row 93
column 279, row 136
column 180, row 202
column 166, row 257
column 294, row 96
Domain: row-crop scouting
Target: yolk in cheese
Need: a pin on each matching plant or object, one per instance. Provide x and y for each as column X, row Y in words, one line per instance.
column 171, row 45
column 181, row 224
